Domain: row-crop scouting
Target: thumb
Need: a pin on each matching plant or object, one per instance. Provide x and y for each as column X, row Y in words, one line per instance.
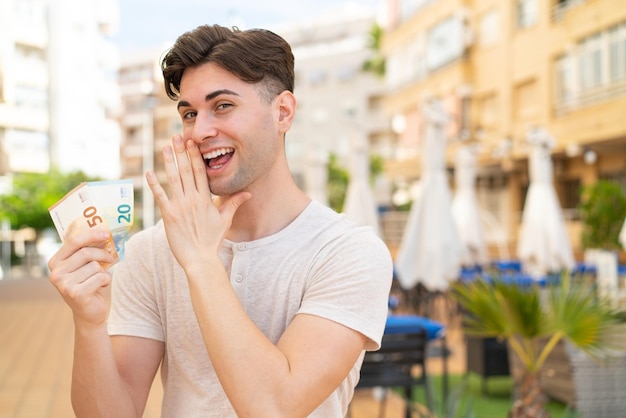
column 232, row 203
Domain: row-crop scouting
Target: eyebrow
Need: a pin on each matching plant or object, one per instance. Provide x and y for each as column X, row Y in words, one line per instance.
column 210, row 96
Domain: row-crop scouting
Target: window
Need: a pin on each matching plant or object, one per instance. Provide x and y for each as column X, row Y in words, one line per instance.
column 525, row 100
column 406, row 64
column 26, row 96
column 411, row 7
column 570, row 197
column 28, row 151
column 593, row 71
column 444, row 42
column 561, row 7
column 564, row 79
column 317, row 77
column 591, row 62
column 416, row 59
column 489, row 28
column 526, row 13
column 346, row 73
column 617, row 52
column 487, row 111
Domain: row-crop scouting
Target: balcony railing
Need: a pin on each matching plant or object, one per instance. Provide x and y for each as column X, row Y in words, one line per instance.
column 597, row 95
column 560, row 8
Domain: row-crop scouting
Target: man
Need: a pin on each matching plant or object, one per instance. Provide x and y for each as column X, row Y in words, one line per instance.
column 258, row 302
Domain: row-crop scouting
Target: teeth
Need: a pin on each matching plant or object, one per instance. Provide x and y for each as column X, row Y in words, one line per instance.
column 217, row 153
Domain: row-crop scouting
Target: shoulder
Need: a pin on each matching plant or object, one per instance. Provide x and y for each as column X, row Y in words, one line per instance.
column 344, row 244
column 343, row 232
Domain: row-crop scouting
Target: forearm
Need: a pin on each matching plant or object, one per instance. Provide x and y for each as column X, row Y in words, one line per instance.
column 241, row 354
column 98, row 389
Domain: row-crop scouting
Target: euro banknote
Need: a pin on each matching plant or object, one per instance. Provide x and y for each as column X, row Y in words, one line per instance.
column 102, row 204
column 115, row 202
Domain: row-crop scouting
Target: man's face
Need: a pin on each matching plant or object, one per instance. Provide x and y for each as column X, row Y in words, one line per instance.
column 236, row 130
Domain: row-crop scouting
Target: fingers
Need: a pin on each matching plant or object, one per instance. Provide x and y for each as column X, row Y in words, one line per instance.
column 78, row 272
column 198, row 168
column 74, row 279
column 160, row 196
column 185, row 168
column 171, row 170
column 94, row 237
column 185, row 171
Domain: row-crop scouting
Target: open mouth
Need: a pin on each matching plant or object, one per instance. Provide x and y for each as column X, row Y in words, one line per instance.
column 217, row 158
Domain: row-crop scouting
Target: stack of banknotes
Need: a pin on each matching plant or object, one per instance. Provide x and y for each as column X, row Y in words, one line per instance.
column 108, row 205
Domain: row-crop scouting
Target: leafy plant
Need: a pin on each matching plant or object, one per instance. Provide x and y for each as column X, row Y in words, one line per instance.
column 602, row 210
column 516, row 313
column 453, row 407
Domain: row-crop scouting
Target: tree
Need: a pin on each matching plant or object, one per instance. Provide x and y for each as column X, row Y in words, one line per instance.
column 337, row 183
column 516, row 313
column 602, row 210
column 376, row 63
column 34, row 193
column 338, row 178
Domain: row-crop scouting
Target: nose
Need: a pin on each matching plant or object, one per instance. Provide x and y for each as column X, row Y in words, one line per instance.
column 203, row 128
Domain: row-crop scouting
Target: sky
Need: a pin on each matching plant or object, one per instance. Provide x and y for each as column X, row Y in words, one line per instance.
column 152, row 23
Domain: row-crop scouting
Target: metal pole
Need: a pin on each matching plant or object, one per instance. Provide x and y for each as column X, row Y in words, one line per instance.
column 6, row 248
column 148, row 161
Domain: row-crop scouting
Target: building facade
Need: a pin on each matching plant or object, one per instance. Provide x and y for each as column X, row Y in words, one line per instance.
column 503, row 68
column 339, row 104
column 58, row 91
column 148, row 122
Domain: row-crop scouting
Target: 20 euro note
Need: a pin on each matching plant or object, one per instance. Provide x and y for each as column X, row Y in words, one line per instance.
column 103, row 204
column 115, row 202
column 77, row 211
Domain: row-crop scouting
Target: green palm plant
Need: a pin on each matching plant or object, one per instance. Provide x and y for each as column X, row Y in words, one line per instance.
column 524, row 315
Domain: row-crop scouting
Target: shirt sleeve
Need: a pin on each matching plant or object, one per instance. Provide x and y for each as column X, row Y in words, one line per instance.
column 350, row 284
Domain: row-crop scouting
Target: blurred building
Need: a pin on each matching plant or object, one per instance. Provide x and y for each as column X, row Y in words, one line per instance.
column 501, row 68
column 57, row 86
column 148, row 122
column 339, row 104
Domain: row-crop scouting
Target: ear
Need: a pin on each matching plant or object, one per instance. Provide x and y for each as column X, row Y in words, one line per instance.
column 286, row 106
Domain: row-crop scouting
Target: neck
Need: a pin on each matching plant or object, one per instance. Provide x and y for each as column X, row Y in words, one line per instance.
column 267, row 213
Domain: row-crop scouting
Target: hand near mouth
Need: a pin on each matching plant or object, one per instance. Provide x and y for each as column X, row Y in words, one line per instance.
column 195, row 227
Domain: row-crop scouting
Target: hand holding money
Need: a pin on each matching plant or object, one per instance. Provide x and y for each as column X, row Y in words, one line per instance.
column 100, row 204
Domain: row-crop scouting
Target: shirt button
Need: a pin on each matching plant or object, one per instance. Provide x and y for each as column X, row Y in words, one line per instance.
column 239, row 278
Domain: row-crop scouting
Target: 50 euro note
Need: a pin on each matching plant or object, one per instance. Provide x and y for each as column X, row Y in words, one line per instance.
column 115, row 202
column 107, row 205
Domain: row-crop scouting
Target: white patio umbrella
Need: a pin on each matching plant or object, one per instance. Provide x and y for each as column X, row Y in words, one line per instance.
column 360, row 204
column 430, row 249
column 465, row 210
column 543, row 244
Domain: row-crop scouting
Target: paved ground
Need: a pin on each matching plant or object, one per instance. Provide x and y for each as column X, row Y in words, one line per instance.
column 36, row 343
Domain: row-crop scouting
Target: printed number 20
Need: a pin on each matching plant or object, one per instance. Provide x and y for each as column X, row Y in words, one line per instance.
column 123, row 213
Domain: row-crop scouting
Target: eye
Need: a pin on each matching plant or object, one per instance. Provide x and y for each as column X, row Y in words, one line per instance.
column 223, row 106
column 189, row 114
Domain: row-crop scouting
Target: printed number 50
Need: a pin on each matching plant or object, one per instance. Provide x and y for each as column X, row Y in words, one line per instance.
column 91, row 216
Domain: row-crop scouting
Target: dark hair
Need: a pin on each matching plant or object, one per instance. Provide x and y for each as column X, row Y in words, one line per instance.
column 254, row 56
